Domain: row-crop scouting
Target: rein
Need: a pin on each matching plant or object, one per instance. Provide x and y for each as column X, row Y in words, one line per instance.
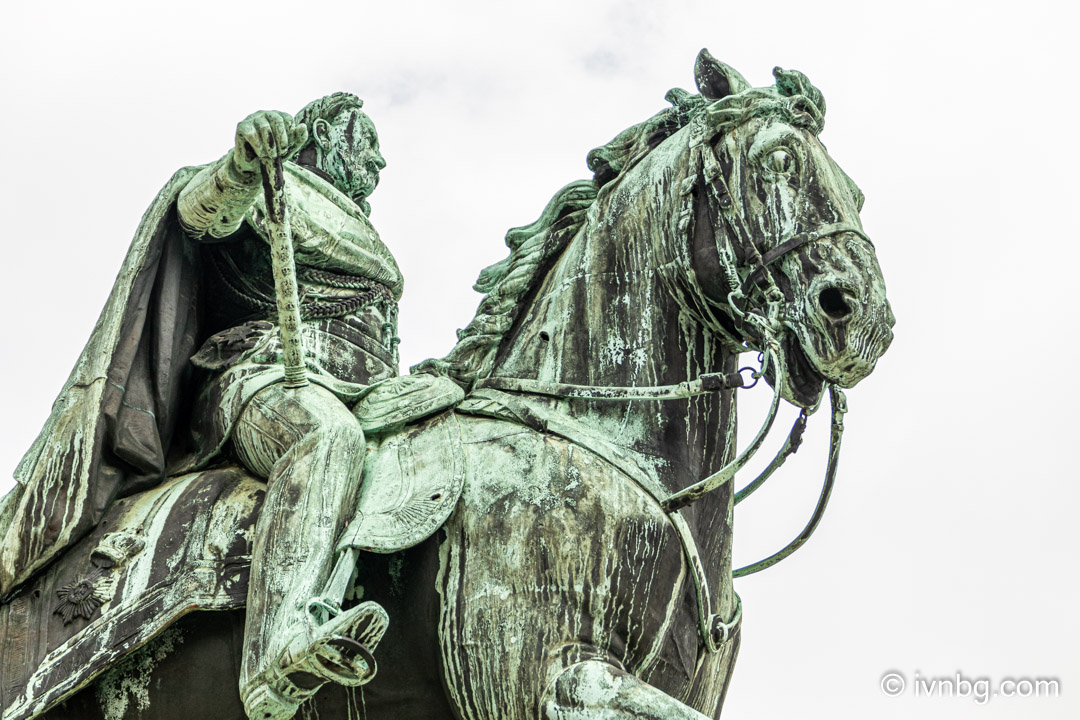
column 714, row 630
column 714, row 382
column 839, row 408
column 706, row 383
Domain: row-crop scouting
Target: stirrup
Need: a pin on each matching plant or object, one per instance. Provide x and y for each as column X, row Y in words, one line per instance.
column 338, row 651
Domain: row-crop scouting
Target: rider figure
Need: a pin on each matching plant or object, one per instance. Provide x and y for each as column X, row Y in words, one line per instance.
column 305, row 442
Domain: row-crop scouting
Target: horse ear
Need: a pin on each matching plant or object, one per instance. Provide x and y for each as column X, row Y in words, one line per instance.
column 716, row 80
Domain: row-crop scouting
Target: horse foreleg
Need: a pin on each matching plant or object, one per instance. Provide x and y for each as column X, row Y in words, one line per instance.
column 596, row 690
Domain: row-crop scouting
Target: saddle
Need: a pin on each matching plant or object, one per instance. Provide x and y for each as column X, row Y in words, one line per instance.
column 186, row 545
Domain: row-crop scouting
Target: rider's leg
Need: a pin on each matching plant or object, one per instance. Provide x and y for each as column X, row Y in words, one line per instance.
column 311, row 450
column 597, row 690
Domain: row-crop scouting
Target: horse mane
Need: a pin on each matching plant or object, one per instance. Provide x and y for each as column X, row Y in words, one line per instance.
column 508, row 283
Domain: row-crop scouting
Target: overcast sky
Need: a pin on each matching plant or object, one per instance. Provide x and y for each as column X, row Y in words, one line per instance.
column 950, row 543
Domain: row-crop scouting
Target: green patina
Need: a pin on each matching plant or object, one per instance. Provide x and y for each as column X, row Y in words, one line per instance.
column 239, row 425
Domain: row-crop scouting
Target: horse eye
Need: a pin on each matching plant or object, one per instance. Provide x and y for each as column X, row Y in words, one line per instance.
column 780, row 161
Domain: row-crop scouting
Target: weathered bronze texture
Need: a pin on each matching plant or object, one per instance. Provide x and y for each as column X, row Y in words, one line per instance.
column 537, row 525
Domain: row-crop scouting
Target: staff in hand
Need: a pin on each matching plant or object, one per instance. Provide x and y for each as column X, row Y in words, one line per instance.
column 267, row 138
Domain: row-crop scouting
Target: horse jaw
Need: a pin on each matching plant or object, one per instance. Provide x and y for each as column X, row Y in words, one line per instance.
column 802, row 385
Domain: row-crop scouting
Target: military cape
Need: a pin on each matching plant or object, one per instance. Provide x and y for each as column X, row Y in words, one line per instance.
column 111, row 431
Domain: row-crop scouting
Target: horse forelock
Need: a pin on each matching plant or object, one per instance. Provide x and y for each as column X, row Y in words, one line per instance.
column 732, row 111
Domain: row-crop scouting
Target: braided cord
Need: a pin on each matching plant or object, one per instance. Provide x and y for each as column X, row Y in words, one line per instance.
column 371, row 293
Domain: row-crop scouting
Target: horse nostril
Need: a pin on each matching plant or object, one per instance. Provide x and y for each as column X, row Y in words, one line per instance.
column 834, row 304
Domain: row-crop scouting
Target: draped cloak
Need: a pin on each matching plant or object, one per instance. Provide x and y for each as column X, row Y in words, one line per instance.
column 112, row 425
column 115, row 428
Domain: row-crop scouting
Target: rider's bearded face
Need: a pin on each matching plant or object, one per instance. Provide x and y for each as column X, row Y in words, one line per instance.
column 353, row 159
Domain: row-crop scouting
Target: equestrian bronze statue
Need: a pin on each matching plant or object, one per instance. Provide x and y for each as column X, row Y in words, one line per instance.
column 239, row 509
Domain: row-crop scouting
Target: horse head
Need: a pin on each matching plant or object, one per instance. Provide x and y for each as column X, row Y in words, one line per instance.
column 783, row 257
column 718, row 225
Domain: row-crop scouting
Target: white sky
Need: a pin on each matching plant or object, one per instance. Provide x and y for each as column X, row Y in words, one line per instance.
column 949, row 545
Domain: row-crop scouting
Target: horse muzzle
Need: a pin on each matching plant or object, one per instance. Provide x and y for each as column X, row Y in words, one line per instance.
column 844, row 334
column 840, row 322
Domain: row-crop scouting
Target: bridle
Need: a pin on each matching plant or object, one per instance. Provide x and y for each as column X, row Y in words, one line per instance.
column 763, row 325
column 750, row 269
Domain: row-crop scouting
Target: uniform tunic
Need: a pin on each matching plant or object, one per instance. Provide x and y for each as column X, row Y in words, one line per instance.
column 349, row 288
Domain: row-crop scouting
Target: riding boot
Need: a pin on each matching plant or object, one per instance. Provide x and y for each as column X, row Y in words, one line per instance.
column 311, row 449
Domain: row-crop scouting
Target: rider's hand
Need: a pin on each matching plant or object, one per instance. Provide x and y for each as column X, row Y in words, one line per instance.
column 266, row 134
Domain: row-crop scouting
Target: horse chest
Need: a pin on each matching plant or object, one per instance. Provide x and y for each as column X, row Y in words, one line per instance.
column 553, row 554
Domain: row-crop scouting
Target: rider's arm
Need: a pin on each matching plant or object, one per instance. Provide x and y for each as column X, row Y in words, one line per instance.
column 215, row 201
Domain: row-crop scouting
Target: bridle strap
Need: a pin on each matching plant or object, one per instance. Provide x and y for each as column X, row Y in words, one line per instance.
column 714, row 630
column 754, row 262
column 698, row 490
column 791, row 446
column 819, row 233
column 839, row 407
column 706, row 383
column 795, row 242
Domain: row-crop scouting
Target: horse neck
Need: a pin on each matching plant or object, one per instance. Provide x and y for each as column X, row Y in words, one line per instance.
column 606, row 315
